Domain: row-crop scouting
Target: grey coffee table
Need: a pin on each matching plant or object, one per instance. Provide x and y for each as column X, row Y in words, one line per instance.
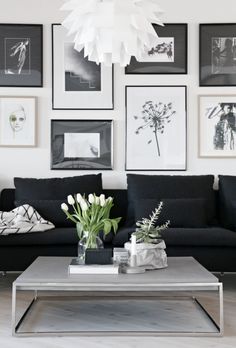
column 160, row 302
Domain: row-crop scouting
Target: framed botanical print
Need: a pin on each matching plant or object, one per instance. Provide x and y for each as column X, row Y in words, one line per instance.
column 217, row 125
column 77, row 82
column 169, row 56
column 82, row 144
column 21, row 55
column 217, row 54
column 17, row 121
column 156, row 128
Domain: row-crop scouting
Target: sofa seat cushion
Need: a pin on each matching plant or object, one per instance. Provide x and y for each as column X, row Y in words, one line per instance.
column 227, row 201
column 53, row 237
column 171, row 187
column 194, row 237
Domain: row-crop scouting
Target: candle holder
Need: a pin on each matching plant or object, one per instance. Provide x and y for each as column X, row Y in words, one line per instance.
column 133, row 268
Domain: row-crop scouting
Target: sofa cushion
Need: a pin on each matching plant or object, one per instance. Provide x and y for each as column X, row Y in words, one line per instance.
column 227, row 201
column 50, row 210
column 165, row 186
column 192, row 237
column 181, row 212
column 56, row 188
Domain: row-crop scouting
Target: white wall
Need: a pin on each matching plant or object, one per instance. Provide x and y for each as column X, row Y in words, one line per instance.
column 35, row 162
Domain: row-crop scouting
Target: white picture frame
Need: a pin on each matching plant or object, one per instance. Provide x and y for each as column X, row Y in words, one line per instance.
column 155, row 144
column 78, row 84
column 17, row 121
column 217, row 126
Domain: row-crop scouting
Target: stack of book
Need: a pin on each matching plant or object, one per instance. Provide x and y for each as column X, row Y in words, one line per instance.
column 75, row 268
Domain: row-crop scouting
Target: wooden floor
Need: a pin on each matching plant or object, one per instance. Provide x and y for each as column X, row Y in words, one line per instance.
column 229, row 339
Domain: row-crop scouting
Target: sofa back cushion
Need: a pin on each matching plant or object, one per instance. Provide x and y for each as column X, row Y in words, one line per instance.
column 181, row 212
column 171, row 187
column 56, row 188
column 227, row 201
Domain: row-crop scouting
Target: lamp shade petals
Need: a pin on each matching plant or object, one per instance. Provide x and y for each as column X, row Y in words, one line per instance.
column 112, row 31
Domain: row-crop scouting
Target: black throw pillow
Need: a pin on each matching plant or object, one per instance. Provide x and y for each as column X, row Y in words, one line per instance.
column 56, row 188
column 50, row 210
column 181, row 212
column 171, row 187
column 227, row 201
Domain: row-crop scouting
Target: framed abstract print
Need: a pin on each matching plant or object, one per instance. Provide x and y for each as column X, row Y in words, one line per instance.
column 77, row 82
column 217, row 54
column 17, row 121
column 156, row 128
column 82, row 144
column 21, row 55
column 217, row 126
column 169, row 56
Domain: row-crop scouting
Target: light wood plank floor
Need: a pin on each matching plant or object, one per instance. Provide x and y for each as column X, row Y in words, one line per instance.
column 228, row 341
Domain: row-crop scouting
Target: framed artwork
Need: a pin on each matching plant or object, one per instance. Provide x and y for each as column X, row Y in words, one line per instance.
column 77, row 82
column 21, row 55
column 82, row 144
column 17, row 121
column 217, row 125
column 169, row 56
column 217, row 55
column 156, row 128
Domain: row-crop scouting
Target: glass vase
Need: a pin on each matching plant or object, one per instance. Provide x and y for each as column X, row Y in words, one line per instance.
column 88, row 241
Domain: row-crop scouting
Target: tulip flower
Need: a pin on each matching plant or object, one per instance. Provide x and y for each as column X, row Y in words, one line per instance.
column 70, row 200
column 79, row 197
column 64, row 207
column 97, row 200
column 83, row 205
column 91, row 198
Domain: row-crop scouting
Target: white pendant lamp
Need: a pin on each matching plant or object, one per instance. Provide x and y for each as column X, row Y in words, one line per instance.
column 111, row 31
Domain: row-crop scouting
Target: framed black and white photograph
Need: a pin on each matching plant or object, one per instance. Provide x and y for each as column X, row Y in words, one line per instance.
column 217, row 54
column 21, row 55
column 217, row 126
column 156, row 127
column 17, row 121
column 82, row 144
column 169, row 56
column 77, row 82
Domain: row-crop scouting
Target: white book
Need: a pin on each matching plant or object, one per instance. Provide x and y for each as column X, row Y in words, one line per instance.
column 75, row 268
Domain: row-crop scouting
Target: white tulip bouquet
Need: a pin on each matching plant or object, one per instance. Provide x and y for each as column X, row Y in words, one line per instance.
column 91, row 215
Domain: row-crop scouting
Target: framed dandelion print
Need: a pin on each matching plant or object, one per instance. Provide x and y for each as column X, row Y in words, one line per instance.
column 156, row 128
column 217, row 126
column 82, row 144
column 17, row 121
column 21, row 55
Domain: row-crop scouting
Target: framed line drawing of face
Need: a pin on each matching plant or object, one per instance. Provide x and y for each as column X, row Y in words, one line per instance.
column 82, row 144
column 217, row 54
column 77, row 82
column 21, row 55
column 17, row 121
column 169, row 56
column 217, row 126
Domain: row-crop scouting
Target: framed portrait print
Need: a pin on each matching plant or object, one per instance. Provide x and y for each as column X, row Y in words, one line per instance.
column 17, row 121
column 217, row 125
column 77, row 82
column 169, row 56
column 21, row 55
column 82, row 144
column 156, row 128
column 217, row 55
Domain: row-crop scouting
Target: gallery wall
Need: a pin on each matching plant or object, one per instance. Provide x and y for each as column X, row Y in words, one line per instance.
column 35, row 162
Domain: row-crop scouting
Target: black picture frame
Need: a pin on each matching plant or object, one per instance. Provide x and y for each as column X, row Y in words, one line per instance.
column 77, row 95
column 81, row 144
column 21, row 55
column 142, row 154
column 179, row 60
column 217, row 61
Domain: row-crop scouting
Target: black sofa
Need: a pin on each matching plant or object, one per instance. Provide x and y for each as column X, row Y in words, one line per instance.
column 203, row 223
